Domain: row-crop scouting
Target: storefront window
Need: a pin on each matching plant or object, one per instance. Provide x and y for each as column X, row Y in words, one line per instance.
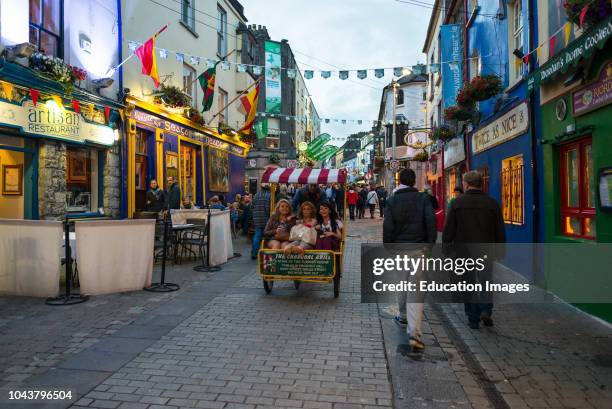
column 188, row 171
column 81, row 180
column 512, row 190
column 577, row 190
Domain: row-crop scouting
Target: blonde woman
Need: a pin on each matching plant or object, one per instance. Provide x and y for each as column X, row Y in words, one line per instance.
column 279, row 226
column 307, row 221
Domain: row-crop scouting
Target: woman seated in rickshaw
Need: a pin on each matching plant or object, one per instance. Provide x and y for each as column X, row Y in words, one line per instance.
column 276, row 233
column 304, row 235
column 329, row 228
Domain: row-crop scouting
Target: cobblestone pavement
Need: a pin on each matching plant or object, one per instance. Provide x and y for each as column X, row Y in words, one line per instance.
column 220, row 342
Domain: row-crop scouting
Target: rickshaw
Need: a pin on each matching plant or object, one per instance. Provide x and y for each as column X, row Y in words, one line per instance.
column 315, row 266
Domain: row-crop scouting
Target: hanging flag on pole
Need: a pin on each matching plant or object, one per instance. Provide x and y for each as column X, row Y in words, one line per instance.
column 248, row 106
column 261, row 128
column 207, row 83
column 146, row 54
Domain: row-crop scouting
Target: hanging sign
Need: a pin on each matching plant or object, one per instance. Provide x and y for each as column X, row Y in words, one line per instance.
column 273, row 77
column 454, row 152
column 595, row 95
column 452, row 77
column 49, row 120
column 510, row 125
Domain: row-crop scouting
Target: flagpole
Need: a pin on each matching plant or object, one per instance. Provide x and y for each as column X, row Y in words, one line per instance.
column 133, row 54
column 235, row 99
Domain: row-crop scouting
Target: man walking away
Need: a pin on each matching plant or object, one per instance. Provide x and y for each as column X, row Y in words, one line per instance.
column 352, row 198
column 362, row 202
column 173, row 194
column 474, row 217
column 409, row 218
column 261, row 212
column 372, row 200
column 382, row 198
column 340, row 200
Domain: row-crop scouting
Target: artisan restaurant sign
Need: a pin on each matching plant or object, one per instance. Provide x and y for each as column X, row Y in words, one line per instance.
column 54, row 122
column 510, row 125
column 173, row 127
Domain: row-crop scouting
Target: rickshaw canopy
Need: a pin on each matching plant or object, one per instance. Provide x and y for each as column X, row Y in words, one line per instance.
column 304, row 176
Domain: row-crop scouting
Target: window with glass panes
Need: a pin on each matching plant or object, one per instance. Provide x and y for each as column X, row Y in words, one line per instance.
column 188, row 13
column 221, row 31
column 222, row 106
column 512, row 190
column 46, row 27
column 516, row 39
column 189, row 83
column 578, row 196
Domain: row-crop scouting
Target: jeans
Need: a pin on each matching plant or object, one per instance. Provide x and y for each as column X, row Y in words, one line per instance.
column 476, row 310
column 257, row 237
column 352, row 211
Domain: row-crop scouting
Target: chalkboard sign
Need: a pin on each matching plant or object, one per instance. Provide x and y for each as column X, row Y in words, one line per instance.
column 312, row 264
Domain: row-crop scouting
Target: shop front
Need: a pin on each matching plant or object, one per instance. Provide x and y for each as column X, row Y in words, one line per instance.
column 454, row 167
column 56, row 162
column 576, row 150
column 162, row 144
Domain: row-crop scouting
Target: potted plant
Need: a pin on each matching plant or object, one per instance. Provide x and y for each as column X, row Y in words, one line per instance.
column 597, row 11
column 422, row 156
column 485, row 87
column 457, row 113
column 55, row 69
column 443, row 133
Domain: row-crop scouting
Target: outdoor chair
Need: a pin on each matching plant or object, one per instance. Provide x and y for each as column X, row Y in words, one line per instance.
column 196, row 237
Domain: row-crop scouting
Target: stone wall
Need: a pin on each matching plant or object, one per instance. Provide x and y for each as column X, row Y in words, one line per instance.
column 52, row 180
column 112, row 182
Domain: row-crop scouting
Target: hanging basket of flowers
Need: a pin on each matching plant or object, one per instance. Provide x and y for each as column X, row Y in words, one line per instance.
column 597, row 11
column 443, row 133
column 173, row 97
column 251, row 138
column 466, row 98
column 422, row 156
column 485, row 87
column 195, row 116
column 55, row 69
column 457, row 113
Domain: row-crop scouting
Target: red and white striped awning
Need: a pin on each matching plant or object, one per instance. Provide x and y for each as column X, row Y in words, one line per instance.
column 304, row 176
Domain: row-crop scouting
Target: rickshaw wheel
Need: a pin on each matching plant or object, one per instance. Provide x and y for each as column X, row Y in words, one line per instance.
column 296, row 284
column 268, row 285
column 337, row 285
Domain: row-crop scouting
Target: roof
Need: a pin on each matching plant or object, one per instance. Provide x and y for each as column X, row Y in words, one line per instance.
column 303, row 176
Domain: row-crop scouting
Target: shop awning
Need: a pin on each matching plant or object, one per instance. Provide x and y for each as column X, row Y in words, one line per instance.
column 303, row 176
column 570, row 56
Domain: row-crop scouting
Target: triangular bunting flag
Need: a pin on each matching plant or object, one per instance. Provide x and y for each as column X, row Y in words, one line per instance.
column 551, row 46
column 379, row 72
column 308, row 74
column 325, row 74
column 538, row 54
column 568, row 30
column 76, row 106
column 526, row 59
column 8, row 90
column 58, row 101
column 361, row 74
column 583, row 13
column 343, row 75
column 34, row 94
column 90, row 110
column 107, row 114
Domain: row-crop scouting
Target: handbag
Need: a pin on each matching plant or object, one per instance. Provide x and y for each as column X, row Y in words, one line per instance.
column 303, row 233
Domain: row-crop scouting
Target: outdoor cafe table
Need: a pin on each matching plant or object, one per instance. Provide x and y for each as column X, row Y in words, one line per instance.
column 221, row 245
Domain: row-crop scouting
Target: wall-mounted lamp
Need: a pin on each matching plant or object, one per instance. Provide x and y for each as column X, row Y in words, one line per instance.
column 103, row 83
column 23, row 50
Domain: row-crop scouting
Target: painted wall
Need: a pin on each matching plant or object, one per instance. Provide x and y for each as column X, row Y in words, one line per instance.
column 142, row 19
column 12, row 206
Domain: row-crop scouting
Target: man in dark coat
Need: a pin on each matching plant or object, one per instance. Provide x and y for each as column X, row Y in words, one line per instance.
column 474, row 217
column 409, row 218
column 173, row 194
column 311, row 193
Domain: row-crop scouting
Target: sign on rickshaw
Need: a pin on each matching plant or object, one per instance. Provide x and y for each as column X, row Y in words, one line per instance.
column 314, row 266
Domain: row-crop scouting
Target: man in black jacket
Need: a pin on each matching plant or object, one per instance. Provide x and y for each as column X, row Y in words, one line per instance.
column 173, row 194
column 474, row 217
column 409, row 218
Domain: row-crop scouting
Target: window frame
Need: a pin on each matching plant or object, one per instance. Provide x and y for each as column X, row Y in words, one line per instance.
column 221, row 31
column 512, row 189
column 399, row 101
column 93, row 162
column 582, row 212
column 223, row 97
column 192, row 78
column 59, row 37
column 188, row 19
column 515, row 35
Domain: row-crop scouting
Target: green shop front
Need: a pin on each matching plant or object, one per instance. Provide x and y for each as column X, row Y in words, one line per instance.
column 59, row 154
column 576, row 154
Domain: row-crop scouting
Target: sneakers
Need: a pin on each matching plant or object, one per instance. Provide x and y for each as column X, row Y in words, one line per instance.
column 402, row 322
column 416, row 344
column 487, row 321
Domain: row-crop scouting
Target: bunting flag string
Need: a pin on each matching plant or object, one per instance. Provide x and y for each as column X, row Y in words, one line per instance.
column 342, row 121
column 361, row 73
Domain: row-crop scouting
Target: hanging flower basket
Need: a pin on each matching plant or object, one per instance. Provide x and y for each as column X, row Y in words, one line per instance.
column 485, row 87
column 466, row 98
column 55, row 69
column 443, row 133
column 251, row 139
column 422, row 156
column 195, row 116
column 173, row 97
column 597, row 11
column 456, row 113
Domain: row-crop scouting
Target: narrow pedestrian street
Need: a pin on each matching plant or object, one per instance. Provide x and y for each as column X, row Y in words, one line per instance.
column 221, row 342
